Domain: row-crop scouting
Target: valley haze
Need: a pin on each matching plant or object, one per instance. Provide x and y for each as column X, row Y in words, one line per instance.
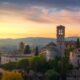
column 32, row 41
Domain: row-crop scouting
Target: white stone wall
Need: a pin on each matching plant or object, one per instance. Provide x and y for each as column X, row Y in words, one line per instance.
column 75, row 57
column 50, row 54
column 7, row 59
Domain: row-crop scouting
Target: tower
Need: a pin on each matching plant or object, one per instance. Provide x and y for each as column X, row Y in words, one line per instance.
column 21, row 47
column 61, row 39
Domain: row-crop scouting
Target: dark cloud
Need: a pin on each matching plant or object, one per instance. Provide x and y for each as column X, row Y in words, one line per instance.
column 68, row 4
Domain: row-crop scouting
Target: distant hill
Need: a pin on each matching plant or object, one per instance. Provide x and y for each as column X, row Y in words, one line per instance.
column 71, row 38
column 33, row 41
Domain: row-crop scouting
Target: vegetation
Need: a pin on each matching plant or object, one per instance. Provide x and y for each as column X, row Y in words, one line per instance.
column 36, row 51
column 1, row 75
column 38, row 64
column 27, row 50
column 78, row 43
column 52, row 75
column 23, row 65
column 51, row 70
column 10, row 66
column 12, row 75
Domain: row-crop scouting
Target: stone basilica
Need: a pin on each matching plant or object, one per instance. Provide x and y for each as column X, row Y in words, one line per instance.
column 52, row 50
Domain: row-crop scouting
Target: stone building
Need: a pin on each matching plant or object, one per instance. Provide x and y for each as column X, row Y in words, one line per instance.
column 75, row 57
column 6, row 58
column 21, row 47
column 52, row 50
column 61, row 39
column 16, row 55
column 70, row 44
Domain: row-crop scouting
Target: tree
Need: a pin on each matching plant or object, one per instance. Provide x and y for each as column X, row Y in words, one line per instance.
column 60, row 65
column 38, row 64
column 13, row 75
column 53, row 64
column 10, row 66
column 64, row 67
column 1, row 75
column 78, row 43
column 27, row 50
column 23, row 64
column 52, row 75
column 36, row 51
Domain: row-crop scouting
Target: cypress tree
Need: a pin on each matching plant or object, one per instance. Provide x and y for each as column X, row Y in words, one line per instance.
column 27, row 49
column 36, row 51
column 78, row 43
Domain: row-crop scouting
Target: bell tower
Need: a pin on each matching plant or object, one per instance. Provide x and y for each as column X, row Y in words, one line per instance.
column 61, row 39
column 21, row 47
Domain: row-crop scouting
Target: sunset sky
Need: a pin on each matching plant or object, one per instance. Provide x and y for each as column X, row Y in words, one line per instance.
column 38, row 18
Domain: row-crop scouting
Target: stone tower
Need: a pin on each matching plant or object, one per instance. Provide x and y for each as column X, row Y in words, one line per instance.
column 21, row 47
column 61, row 39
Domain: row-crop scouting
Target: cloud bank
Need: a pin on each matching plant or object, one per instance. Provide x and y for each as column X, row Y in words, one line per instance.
column 61, row 4
column 43, row 11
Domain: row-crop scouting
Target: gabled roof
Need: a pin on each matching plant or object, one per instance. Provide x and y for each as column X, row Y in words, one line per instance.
column 51, row 44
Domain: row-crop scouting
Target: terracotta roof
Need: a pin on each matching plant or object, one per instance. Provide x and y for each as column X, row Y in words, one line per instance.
column 70, row 42
column 51, row 44
column 48, row 45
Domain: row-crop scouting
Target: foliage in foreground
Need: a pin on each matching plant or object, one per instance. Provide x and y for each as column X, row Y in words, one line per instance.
column 12, row 75
column 52, row 69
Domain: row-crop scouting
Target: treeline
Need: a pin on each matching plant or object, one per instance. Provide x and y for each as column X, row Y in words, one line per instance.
column 38, row 68
column 27, row 50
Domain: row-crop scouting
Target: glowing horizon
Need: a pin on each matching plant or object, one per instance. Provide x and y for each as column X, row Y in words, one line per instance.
column 36, row 21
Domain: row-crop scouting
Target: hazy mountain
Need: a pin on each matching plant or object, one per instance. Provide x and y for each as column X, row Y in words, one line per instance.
column 13, row 43
column 71, row 38
column 31, row 41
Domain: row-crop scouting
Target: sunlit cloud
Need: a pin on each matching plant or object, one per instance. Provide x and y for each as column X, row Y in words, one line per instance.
column 18, row 20
column 40, row 14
